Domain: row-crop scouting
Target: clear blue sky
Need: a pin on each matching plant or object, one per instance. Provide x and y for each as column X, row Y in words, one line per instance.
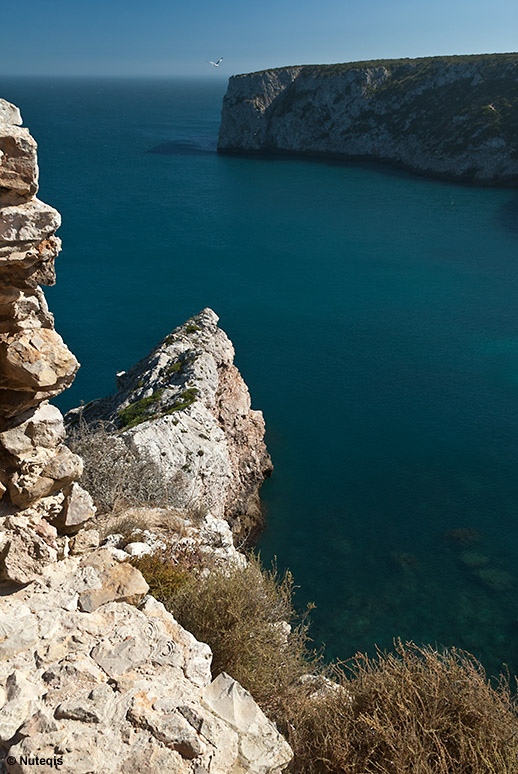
column 159, row 37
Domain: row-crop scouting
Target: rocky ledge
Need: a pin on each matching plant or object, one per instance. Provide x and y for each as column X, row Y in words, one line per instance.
column 453, row 117
column 186, row 409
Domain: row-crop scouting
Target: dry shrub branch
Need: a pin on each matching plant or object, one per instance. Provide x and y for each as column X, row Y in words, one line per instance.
column 115, row 476
column 415, row 710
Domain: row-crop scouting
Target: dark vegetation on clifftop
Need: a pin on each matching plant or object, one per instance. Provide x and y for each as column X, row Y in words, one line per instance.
column 341, row 67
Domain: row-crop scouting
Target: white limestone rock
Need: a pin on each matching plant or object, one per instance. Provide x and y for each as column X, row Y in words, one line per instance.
column 119, row 689
column 78, row 508
column 9, row 113
column 186, row 409
column 32, row 221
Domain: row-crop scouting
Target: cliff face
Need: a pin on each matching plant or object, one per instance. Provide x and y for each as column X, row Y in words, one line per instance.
column 455, row 117
column 38, row 494
column 186, row 408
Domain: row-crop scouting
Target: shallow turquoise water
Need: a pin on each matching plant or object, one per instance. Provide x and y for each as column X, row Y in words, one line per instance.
column 375, row 318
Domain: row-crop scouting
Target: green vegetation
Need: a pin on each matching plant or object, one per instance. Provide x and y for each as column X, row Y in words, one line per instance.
column 181, row 364
column 339, row 68
column 183, row 401
column 139, row 411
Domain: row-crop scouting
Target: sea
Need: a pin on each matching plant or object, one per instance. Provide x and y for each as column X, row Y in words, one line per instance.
column 375, row 319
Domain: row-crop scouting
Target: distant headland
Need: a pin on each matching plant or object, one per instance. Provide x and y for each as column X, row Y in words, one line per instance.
column 454, row 117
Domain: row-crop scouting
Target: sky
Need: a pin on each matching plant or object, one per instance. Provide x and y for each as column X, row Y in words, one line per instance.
column 172, row 38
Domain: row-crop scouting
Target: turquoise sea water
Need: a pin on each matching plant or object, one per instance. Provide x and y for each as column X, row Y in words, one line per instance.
column 375, row 319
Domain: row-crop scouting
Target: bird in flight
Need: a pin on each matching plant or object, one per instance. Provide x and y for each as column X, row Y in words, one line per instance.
column 216, row 64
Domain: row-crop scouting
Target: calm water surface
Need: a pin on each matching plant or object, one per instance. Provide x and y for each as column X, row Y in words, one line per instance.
column 375, row 318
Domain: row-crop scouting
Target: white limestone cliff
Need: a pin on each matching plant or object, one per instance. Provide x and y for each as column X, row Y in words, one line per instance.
column 453, row 117
column 186, row 408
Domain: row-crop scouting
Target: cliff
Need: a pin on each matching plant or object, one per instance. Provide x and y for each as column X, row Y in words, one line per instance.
column 186, row 409
column 95, row 674
column 453, row 117
column 39, row 494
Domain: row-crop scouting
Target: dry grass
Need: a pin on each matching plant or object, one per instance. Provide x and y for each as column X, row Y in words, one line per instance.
column 415, row 710
column 242, row 613
column 116, row 477
column 160, row 521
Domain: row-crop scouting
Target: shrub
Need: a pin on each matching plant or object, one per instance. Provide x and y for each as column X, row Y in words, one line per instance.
column 139, row 411
column 114, row 475
column 167, row 571
column 241, row 612
column 416, row 710
column 183, row 401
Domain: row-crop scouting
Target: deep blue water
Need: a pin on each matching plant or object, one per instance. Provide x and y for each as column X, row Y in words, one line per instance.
column 375, row 318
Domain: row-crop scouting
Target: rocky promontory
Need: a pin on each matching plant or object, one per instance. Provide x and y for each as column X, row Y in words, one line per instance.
column 453, row 117
column 186, row 409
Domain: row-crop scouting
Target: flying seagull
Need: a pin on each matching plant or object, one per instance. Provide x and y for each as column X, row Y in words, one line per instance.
column 216, row 64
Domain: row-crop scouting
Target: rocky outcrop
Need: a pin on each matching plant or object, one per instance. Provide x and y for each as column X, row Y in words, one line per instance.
column 96, row 677
column 158, row 530
column 453, row 117
column 186, row 408
column 100, row 685
column 39, row 496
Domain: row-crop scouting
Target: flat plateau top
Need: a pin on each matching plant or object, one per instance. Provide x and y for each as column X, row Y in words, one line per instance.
column 335, row 69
